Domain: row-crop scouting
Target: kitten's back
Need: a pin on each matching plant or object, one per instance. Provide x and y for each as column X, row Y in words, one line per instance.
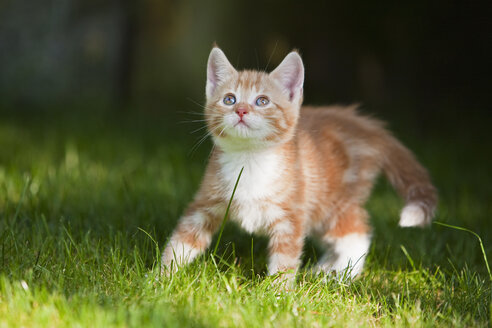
column 343, row 120
column 366, row 147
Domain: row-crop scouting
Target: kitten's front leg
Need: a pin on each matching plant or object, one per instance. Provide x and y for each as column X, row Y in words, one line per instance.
column 285, row 248
column 191, row 237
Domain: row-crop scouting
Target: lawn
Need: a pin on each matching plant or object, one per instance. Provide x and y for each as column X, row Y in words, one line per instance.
column 87, row 201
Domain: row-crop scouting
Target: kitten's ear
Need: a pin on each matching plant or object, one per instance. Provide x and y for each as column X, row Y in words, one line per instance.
column 290, row 75
column 218, row 70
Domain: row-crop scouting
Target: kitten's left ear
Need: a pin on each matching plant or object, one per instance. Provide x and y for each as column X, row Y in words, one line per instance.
column 290, row 75
column 218, row 70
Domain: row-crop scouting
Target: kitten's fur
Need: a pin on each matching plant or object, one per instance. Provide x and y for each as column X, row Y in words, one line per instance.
column 307, row 171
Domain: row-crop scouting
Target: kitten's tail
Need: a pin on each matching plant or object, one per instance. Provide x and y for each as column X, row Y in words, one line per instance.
column 412, row 182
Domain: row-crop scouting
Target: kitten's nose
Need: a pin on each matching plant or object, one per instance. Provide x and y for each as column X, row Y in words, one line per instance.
column 241, row 110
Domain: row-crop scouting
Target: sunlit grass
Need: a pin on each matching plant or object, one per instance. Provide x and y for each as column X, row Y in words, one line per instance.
column 87, row 204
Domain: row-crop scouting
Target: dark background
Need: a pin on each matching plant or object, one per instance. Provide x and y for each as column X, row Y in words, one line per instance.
column 424, row 60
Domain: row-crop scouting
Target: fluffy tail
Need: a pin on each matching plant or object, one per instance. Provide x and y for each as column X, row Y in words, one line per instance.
column 412, row 182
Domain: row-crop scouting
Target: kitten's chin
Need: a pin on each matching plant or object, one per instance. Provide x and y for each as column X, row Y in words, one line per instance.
column 247, row 135
column 243, row 130
column 233, row 142
column 243, row 137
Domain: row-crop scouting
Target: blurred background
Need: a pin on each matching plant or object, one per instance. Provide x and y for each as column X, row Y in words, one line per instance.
column 418, row 58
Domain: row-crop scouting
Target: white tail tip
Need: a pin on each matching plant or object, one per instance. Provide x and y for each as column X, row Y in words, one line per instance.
column 412, row 215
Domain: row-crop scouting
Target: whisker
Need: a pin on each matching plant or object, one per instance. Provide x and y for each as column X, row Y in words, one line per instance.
column 213, row 144
column 271, row 55
column 197, row 144
column 191, row 113
column 200, row 128
column 257, row 60
column 191, row 121
column 220, row 134
column 195, row 121
column 199, row 113
column 202, row 140
column 196, row 103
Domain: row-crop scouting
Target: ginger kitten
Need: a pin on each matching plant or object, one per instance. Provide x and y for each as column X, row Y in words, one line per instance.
column 307, row 171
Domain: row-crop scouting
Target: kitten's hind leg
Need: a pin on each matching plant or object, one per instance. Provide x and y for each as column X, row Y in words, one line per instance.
column 347, row 256
column 348, row 244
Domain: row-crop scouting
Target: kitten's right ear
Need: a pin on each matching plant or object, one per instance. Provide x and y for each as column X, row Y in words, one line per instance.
column 218, row 70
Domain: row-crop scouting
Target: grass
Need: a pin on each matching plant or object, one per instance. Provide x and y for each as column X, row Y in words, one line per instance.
column 87, row 202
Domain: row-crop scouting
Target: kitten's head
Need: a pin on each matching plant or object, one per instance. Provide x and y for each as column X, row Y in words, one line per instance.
column 249, row 110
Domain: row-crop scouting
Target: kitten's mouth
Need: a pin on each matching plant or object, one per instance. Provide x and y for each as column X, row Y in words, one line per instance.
column 241, row 123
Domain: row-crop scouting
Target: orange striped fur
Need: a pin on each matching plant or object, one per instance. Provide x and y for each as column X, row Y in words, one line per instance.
column 307, row 171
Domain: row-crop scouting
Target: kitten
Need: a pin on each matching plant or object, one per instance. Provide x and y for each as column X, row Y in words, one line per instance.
column 307, row 171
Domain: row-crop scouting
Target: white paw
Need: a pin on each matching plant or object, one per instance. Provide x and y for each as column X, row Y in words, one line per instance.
column 339, row 271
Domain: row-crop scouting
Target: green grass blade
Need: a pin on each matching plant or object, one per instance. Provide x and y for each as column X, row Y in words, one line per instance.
column 21, row 200
column 408, row 256
column 227, row 213
column 479, row 240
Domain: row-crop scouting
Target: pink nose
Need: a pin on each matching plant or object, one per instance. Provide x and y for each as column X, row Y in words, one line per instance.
column 241, row 111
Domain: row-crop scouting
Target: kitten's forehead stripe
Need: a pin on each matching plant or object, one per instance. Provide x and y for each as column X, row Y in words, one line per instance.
column 251, row 79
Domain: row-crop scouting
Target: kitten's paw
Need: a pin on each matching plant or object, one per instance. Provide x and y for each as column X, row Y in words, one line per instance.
column 337, row 271
column 284, row 281
column 168, row 270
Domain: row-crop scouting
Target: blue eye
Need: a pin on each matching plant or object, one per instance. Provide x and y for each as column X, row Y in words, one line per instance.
column 262, row 101
column 229, row 100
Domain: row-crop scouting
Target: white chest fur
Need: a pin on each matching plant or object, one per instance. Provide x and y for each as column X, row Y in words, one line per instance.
column 257, row 188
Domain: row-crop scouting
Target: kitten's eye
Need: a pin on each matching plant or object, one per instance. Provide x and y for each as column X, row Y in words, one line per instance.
column 262, row 101
column 229, row 100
